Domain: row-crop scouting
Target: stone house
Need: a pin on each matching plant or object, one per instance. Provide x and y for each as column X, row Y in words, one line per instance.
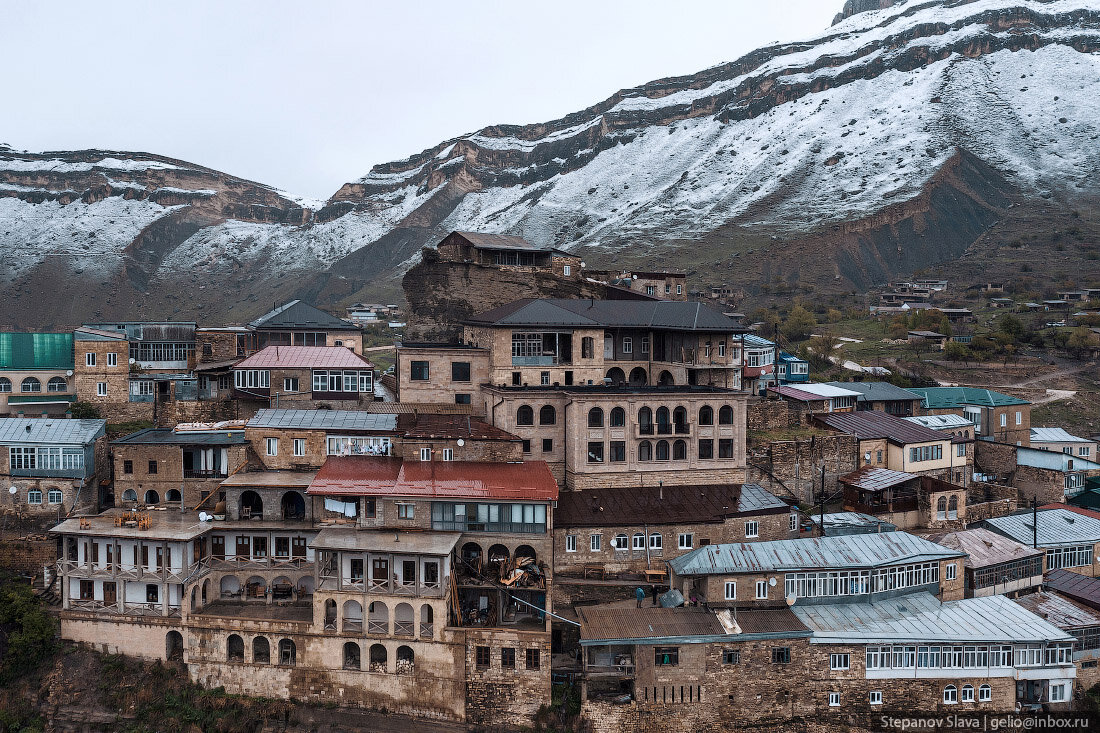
column 432, row 437
column 441, row 373
column 899, row 445
column 36, row 374
column 1069, row 538
column 1001, row 417
column 817, row 398
column 293, row 439
column 508, row 251
column 1059, row 441
column 1079, row 621
column 1039, row 475
column 51, row 465
column 883, row 397
column 305, row 377
column 994, row 563
column 662, row 285
column 295, row 323
column 622, row 530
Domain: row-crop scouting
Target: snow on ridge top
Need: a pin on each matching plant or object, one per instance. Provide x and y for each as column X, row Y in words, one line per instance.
column 56, row 165
column 514, row 143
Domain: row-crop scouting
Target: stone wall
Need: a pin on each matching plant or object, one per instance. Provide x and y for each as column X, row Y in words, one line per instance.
column 793, row 467
column 764, row 415
column 506, row 696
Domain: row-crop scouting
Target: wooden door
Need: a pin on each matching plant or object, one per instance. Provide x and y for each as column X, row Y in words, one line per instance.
column 110, row 598
column 217, row 547
column 380, row 569
column 298, row 548
column 243, row 547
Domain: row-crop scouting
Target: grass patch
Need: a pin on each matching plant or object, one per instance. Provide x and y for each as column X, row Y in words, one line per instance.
column 799, row 432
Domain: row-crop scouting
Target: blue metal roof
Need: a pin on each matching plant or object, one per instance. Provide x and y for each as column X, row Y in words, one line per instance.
column 54, row 431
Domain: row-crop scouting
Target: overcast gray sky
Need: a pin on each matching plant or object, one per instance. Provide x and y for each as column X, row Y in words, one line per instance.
column 307, row 95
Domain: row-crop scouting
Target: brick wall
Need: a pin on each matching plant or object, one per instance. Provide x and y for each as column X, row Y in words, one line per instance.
column 764, row 415
column 498, row 696
column 439, row 387
column 793, row 467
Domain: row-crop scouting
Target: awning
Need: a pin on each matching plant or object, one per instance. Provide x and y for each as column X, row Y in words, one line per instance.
column 45, row 399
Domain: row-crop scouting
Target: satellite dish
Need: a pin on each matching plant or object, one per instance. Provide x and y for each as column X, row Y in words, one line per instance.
column 633, row 277
column 583, row 265
column 771, row 582
column 133, row 360
column 13, row 491
column 460, row 442
column 69, row 373
column 791, row 599
column 204, row 517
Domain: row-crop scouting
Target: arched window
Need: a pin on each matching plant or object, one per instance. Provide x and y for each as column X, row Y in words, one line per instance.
column 616, row 376
column 725, row 415
column 662, row 450
column 34, row 496
column 173, row 645
column 288, row 653
column 405, row 660
column 403, row 620
column 664, row 425
column 665, row 379
column 637, row 542
column 378, row 658
column 427, row 621
column 30, row 384
column 941, row 508
column 172, row 495
column 330, row 614
column 229, row 586
column 378, row 618
column 129, row 495
column 293, row 506
column 645, row 451
column 351, row 655
column 235, row 648
column 638, row 377
column 620, row 542
column 706, row 415
column 950, row 695
column 57, row 384
column 645, row 421
column 967, row 693
column 525, row 415
column 953, row 507
column 54, row 496
column 595, row 418
column 679, row 450
column 985, row 693
column 353, row 616
column 261, row 650
column 680, row 420
column 152, row 497
column 548, row 415
column 617, row 418
column 5, row 384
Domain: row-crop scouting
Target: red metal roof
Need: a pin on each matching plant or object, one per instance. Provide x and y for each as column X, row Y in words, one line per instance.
column 870, row 424
column 305, row 357
column 380, row 476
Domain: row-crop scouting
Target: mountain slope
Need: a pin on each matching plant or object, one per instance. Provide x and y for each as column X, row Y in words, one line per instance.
column 894, row 141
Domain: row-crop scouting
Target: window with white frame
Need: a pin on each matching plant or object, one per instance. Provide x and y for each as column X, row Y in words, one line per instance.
column 567, row 270
column 595, row 542
column 1069, row 557
column 949, row 573
column 251, row 378
column 141, row 387
column 731, row 590
column 834, row 699
column 299, row 446
column 985, row 693
column 112, row 359
column 685, row 541
column 89, row 359
column 721, row 348
column 290, row 384
column 425, row 454
column 570, row 543
column 54, row 496
column 1074, row 480
column 875, row 697
column 656, row 541
column 752, row 529
column 34, row 496
column 100, row 389
column 628, row 345
column 967, row 693
column 448, row 454
column 620, row 542
column 960, row 450
column 1019, row 418
column 1084, row 451
column 1004, row 420
column 637, row 542
column 1058, row 693
column 950, row 695
column 272, row 446
column 840, row 661
column 761, row 589
column 793, row 522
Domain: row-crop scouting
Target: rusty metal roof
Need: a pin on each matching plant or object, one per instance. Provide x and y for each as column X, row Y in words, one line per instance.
column 876, row 479
column 380, row 476
column 1079, row 587
column 305, row 357
column 1059, row 610
column 983, row 547
column 769, row 621
column 663, row 505
column 870, row 424
column 433, row 426
column 615, row 623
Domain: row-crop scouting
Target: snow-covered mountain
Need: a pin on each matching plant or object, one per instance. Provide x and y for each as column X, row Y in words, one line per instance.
column 895, row 140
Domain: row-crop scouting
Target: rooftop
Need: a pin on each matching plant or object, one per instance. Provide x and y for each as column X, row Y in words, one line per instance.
column 876, row 391
column 876, row 479
column 845, row 523
column 1054, row 435
column 941, row 422
column 1056, row 527
column 843, row 552
column 920, row 617
column 871, row 424
column 299, row 315
column 984, row 547
column 23, row 430
column 938, row 398
column 609, row 624
column 667, row 505
column 482, row 240
column 1060, row 610
column 164, row 524
column 1076, row 586
column 1053, row 460
column 366, row 540
column 348, row 420
column 649, row 314
column 271, row 479
column 305, row 357
column 167, row 436
column 596, row 389
column 375, row 476
column 431, row 426
column 31, row 351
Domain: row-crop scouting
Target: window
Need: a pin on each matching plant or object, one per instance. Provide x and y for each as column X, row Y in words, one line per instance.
column 761, row 589
column 949, row 573
column 637, row 542
column 967, row 693
column 405, row 510
column 525, row 415
column 628, row 345
column 781, row 655
column 87, row 590
column 567, row 270
column 685, row 541
column 1004, row 420
column 834, row 699
column 587, row 347
column 112, row 359
column 544, row 379
column 425, row 454
column 617, row 451
column 34, row 496
column 1069, row 557
column 875, row 697
column 30, row 384
column 533, row 658
column 448, row 454
column 127, row 466
column 1084, row 451
column 706, row 415
column 620, row 542
column 57, row 384
column 594, row 542
column 1019, row 418
column 547, row 415
column 299, row 446
column 100, row 389
column 985, row 693
column 752, row 529
column 463, row 398
column 526, row 446
column 645, row 451
column 662, row 450
column 595, row 452
column 570, row 543
column 1058, row 692
column 418, row 371
column 5, row 384
column 679, row 289
column 725, row 415
column 666, row 656
column 731, row 590
column 482, row 657
column 595, row 418
column 840, row 661
column 547, row 445
column 508, row 657
column 152, row 593
column 89, row 359
column 721, row 348
column 645, row 344
column 152, row 467
column 656, row 541
column 793, row 522
column 517, row 379
column 725, row 448
column 617, row 417
column 272, row 445
column 290, row 384
column 460, row 371
column 960, row 450
column 706, row 449
column 950, row 695
column 242, row 379
column 729, row 656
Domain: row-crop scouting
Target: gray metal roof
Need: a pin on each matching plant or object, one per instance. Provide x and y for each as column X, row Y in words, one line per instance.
column 1054, row 435
column 755, row 497
column 1060, row 611
column 586, row 313
column 848, row 523
column 984, row 547
column 167, row 436
column 425, row 543
column 55, row 431
column 941, row 422
column 324, row 420
column 876, row 391
column 1053, row 460
column 921, row 618
column 1056, row 528
column 871, row 424
column 849, row 551
column 297, row 314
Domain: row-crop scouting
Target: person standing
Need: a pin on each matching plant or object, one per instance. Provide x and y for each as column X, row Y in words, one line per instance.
column 639, row 593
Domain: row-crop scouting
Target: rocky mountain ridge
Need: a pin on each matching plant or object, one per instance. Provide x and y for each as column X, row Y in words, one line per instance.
column 893, row 141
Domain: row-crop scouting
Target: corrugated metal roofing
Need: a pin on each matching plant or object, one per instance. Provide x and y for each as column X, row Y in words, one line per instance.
column 299, row 315
column 920, row 617
column 613, row 623
column 849, row 551
column 753, row 341
column 941, row 422
column 845, row 523
column 1052, row 459
column 482, row 240
column 1078, row 587
column 166, row 436
column 432, row 426
column 870, row 424
column 1056, row 527
column 984, row 547
column 86, row 333
column 305, row 357
column 55, row 431
column 877, row 391
column 876, row 479
column 936, row 398
column 36, row 351
column 657, row 314
column 375, row 476
column 1054, row 435
column 825, row 391
column 324, row 420
column 668, row 505
column 1060, row 611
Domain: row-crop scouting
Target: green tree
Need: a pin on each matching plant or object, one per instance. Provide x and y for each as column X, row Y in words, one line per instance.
column 1011, row 325
column 84, row 411
column 799, row 325
column 957, row 352
column 1080, row 341
column 26, row 631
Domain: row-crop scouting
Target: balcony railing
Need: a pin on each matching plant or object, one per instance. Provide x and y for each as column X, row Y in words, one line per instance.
column 195, row 473
column 403, row 628
column 378, row 627
column 353, row 624
column 426, row 630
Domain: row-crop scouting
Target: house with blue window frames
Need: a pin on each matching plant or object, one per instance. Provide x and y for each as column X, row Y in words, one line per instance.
column 48, row 465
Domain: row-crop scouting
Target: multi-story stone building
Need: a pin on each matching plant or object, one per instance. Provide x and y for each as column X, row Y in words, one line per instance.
column 292, row 324
column 994, row 563
column 50, row 465
column 36, row 374
column 303, row 439
column 508, row 251
column 1001, row 417
column 1069, row 539
column 305, row 377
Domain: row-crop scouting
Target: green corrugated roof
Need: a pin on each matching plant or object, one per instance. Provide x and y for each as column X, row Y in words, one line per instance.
column 41, row 399
column 941, row 397
column 36, row 351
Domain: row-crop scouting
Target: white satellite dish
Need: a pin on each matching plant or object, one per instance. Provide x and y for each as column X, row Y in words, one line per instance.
column 791, row 599
column 460, row 442
column 13, row 491
column 771, row 582
column 633, row 277
column 133, row 360
column 69, row 373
